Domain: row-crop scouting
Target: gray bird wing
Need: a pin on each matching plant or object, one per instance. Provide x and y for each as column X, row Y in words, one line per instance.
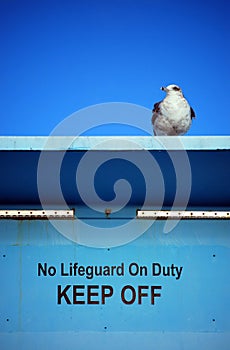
column 156, row 110
column 193, row 115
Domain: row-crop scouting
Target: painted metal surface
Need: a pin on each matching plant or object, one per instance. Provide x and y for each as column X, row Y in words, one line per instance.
column 60, row 143
column 194, row 303
column 159, row 291
column 18, row 177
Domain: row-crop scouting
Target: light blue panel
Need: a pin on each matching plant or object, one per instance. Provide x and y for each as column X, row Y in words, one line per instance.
column 115, row 341
column 31, row 143
column 197, row 303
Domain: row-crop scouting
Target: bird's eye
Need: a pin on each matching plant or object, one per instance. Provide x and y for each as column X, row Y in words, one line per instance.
column 176, row 88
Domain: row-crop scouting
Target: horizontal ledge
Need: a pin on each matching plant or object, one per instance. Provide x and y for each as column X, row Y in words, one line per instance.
column 179, row 214
column 113, row 143
column 36, row 214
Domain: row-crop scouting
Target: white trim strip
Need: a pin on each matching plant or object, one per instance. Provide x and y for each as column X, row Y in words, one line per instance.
column 36, row 214
column 188, row 215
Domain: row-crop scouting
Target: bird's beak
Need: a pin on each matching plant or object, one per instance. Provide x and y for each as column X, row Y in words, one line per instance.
column 163, row 88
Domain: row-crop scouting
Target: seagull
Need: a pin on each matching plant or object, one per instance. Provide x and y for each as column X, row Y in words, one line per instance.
column 173, row 115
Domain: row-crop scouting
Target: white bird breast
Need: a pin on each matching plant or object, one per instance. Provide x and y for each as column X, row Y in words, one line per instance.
column 174, row 117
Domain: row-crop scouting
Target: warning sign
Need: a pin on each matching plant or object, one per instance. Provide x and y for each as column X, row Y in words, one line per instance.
column 94, row 294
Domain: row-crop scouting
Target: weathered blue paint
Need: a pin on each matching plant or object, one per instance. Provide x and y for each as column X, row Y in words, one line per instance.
column 192, row 311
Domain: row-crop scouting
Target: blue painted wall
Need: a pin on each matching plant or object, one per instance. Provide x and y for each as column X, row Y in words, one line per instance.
column 187, row 309
column 196, row 303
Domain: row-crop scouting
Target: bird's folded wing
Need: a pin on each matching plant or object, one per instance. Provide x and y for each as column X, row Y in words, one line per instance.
column 193, row 115
column 156, row 110
column 156, row 107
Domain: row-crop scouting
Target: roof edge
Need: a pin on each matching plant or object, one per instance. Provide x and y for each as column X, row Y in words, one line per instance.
column 61, row 143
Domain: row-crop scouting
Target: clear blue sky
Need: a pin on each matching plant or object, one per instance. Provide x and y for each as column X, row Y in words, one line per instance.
column 60, row 56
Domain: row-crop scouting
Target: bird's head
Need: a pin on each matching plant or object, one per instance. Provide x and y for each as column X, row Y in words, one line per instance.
column 172, row 89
